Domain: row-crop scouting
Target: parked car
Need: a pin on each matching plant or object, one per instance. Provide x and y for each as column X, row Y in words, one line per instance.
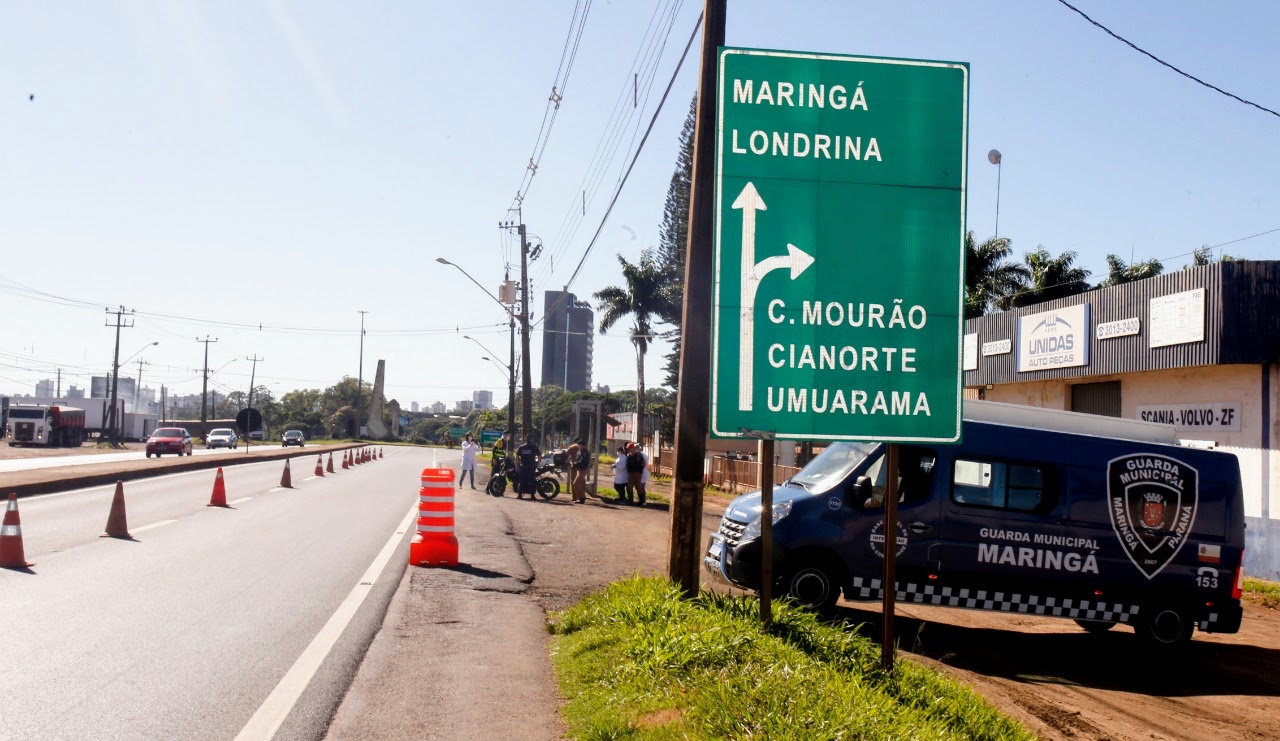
column 169, row 440
column 292, row 437
column 222, row 437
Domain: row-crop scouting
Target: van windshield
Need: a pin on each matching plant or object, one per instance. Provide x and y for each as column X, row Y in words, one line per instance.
column 833, row 465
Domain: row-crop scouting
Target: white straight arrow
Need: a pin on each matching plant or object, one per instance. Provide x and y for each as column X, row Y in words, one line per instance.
column 796, row 260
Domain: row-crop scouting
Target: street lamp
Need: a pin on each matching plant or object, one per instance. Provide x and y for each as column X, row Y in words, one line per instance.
column 994, row 158
column 360, row 376
column 511, row 317
column 117, row 427
column 511, row 381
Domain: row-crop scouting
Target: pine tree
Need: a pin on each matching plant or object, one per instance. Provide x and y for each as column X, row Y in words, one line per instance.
column 673, row 241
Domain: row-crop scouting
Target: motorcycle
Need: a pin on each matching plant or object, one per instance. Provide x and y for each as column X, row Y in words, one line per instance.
column 546, row 479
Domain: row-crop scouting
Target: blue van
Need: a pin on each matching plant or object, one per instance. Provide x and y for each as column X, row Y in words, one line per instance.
column 1099, row 520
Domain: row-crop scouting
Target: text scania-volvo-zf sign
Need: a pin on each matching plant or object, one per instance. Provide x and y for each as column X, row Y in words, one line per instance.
column 839, row 229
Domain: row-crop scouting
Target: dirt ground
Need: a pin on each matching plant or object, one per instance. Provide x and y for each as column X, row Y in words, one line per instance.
column 1059, row 681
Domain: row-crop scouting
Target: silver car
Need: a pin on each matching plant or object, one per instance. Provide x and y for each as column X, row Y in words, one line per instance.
column 222, row 437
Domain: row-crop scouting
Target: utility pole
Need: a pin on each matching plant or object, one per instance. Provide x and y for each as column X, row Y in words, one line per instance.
column 511, row 366
column 137, row 386
column 253, row 373
column 58, row 393
column 693, row 394
column 526, row 382
column 360, row 377
column 123, row 319
column 204, row 389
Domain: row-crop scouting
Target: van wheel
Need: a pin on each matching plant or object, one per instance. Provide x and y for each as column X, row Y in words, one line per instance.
column 1166, row 626
column 1097, row 627
column 812, row 586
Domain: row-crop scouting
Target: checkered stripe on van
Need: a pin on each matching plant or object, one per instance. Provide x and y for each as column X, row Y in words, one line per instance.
column 981, row 599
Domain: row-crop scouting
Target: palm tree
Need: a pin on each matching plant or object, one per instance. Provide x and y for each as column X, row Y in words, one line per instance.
column 1118, row 273
column 1051, row 277
column 987, row 275
column 646, row 298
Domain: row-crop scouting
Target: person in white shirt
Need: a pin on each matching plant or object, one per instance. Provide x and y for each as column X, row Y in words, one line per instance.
column 470, row 448
column 620, row 476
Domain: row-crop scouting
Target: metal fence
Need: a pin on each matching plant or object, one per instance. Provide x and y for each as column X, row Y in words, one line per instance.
column 733, row 474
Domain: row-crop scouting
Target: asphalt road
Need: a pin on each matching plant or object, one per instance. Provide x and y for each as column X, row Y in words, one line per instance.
column 211, row 622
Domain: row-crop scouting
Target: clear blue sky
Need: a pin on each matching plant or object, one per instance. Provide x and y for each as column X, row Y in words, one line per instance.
column 219, row 166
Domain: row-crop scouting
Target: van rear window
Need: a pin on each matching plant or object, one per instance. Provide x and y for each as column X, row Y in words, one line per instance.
column 1010, row 486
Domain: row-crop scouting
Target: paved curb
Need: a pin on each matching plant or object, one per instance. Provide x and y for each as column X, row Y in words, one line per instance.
column 62, row 478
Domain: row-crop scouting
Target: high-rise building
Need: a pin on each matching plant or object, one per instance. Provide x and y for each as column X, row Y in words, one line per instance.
column 482, row 399
column 568, row 341
column 413, row 407
column 44, row 389
column 464, row 406
column 438, row 408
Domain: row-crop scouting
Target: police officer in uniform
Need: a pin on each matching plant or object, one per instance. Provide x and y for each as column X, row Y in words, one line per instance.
column 527, row 457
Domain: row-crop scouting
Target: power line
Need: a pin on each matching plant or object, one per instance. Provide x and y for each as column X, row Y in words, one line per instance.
column 558, row 87
column 626, row 109
column 639, row 149
column 1144, row 52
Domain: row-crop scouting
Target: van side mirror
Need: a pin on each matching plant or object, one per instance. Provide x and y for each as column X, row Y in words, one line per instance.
column 862, row 491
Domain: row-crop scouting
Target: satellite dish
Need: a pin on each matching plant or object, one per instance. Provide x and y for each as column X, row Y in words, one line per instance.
column 994, row 156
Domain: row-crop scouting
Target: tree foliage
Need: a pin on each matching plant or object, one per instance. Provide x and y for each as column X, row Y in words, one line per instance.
column 989, row 276
column 1051, row 278
column 645, row 298
column 1118, row 273
column 673, row 240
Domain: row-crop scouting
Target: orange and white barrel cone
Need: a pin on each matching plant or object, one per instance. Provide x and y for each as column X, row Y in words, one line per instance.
column 329, row 465
column 117, row 524
column 219, row 498
column 286, row 480
column 11, row 556
column 380, row 452
column 435, row 543
column 320, row 465
column 346, row 459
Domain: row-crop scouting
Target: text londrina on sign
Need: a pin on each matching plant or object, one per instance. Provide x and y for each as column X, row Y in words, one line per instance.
column 831, row 146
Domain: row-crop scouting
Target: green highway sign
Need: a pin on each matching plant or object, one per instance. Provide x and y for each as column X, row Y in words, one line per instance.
column 839, row 237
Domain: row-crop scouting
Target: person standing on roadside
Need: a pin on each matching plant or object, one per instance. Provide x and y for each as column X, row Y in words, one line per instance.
column 580, row 462
column 527, row 457
column 636, row 464
column 620, row 479
column 470, row 448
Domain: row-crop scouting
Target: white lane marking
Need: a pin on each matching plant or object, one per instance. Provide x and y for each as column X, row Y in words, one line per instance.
column 271, row 714
column 153, row 525
column 311, row 478
column 278, row 488
column 237, row 501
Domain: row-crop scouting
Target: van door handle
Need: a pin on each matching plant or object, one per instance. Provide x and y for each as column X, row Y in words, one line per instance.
column 920, row 527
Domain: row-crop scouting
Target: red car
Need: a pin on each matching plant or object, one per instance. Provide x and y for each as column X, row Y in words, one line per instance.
column 169, row 440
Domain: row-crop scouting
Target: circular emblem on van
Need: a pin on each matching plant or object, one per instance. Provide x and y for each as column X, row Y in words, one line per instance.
column 833, row 504
column 877, row 538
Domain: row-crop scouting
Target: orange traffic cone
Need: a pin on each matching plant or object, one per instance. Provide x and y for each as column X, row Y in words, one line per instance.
column 346, row 459
column 319, row 464
column 380, row 452
column 11, row 556
column 329, row 466
column 219, row 498
column 117, row 525
column 286, row 480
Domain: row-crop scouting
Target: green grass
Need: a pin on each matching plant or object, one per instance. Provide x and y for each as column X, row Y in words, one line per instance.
column 638, row 661
column 1266, row 593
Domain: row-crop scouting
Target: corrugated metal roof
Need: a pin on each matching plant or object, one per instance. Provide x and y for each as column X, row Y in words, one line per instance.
column 1241, row 315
